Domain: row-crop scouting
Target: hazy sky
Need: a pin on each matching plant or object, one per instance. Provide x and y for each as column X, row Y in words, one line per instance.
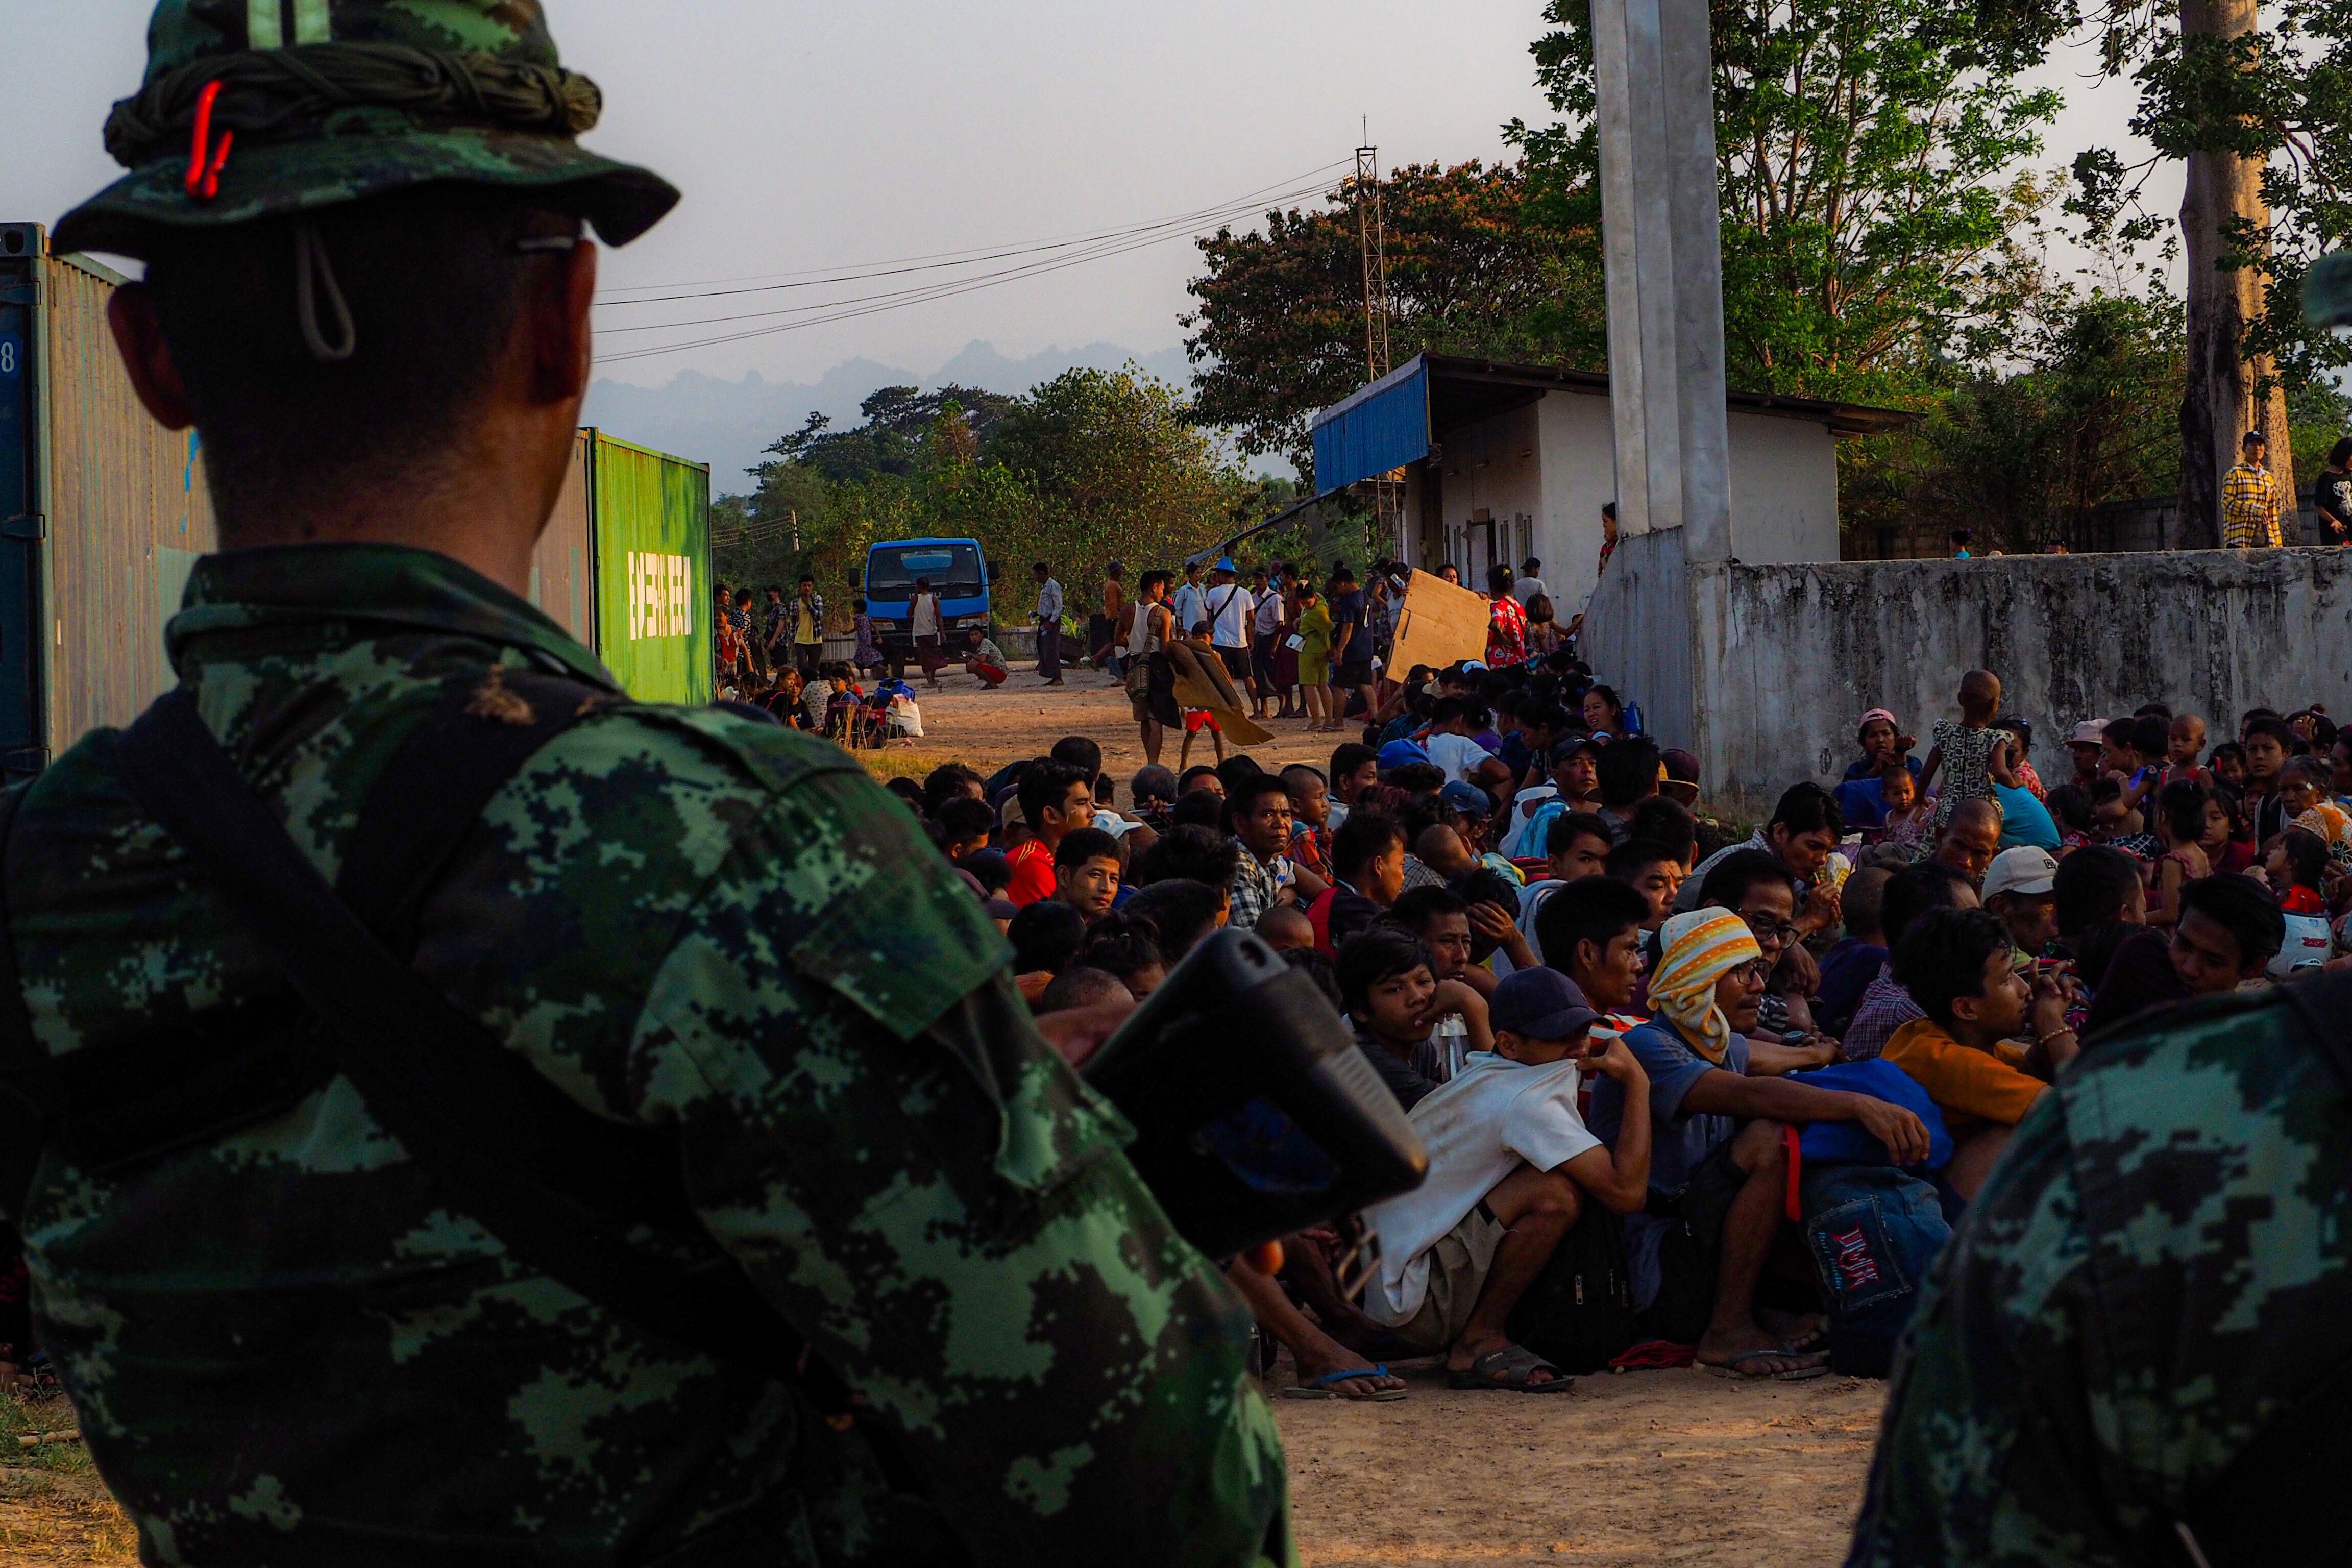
column 814, row 137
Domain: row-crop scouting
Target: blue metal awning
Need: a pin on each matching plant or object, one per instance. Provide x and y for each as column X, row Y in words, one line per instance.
column 1376, row 428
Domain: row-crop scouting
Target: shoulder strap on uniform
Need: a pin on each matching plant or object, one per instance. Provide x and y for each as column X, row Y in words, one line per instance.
column 561, row 1187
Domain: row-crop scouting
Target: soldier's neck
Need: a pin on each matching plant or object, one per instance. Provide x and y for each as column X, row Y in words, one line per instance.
column 486, row 516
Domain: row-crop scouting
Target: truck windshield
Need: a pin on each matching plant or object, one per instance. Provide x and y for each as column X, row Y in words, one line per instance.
column 953, row 571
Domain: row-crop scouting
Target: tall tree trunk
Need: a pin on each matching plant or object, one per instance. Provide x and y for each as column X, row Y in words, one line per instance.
column 2219, row 405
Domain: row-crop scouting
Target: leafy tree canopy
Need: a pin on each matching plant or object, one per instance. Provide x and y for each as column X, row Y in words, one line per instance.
column 1278, row 330
column 1089, row 466
column 899, row 419
column 1871, row 162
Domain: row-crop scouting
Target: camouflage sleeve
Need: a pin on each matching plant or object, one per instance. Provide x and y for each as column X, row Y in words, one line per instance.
column 1987, row 1452
column 875, row 1128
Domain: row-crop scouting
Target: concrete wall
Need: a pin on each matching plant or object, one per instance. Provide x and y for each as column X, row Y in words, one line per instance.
column 1791, row 655
column 1580, row 478
column 1495, row 466
column 1784, row 491
column 1555, row 462
column 1637, row 635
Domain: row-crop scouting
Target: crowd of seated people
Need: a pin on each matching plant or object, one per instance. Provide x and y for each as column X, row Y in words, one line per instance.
column 1616, row 1026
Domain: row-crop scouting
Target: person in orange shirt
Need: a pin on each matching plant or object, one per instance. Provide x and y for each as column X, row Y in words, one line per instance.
column 1056, row 799
column 1959, row 965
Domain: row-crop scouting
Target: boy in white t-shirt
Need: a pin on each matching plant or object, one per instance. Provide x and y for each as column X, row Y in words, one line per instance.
column 1450, row 747
column 1509, row 1162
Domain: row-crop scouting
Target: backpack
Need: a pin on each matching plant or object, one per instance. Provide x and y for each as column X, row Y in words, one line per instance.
column 1874, row 1233
column 1579, row 1313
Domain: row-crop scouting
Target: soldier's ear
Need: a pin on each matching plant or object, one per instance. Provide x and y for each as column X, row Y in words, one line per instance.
column 146, row 357
column 556, row 316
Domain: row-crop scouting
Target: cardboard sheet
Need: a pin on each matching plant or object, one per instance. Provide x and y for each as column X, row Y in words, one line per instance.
column 1437, row 624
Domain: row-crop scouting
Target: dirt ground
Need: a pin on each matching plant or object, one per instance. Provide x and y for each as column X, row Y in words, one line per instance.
column 1682, row 1468
column 962, row 723
column 1679, row 1467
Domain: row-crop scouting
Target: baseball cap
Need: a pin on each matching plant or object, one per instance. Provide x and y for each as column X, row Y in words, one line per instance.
column 2024, row 869
column 1466, row 797
column 1401, row 753
column 1473, row 666
column 1566, row 749
column 1542, row 1004
column 2089, row 733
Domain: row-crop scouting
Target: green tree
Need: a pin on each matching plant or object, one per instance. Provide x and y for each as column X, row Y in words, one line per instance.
column 1088, row 466
column 898, row 421
column 1278, row 330
column 1871, row 157
column 2262, row 123
column 2078, row 420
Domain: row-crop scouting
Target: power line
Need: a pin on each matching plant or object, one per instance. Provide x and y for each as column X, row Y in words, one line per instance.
column 971, row 256
column 1138, row 239
column 1076, row 253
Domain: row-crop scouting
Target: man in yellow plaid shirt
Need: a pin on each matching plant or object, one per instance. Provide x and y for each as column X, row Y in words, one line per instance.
column 2250, row 500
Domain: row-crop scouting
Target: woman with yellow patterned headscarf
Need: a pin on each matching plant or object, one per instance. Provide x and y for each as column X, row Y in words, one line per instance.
column 1698, row 949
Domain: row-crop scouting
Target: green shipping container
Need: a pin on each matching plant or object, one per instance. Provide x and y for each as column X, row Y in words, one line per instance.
column 624, row 566
column 654, row 594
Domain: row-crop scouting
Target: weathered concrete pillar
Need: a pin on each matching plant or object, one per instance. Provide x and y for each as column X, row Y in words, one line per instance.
column 1663, row 248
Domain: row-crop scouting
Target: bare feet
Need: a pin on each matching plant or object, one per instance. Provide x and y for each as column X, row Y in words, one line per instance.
column 1754, row 1352
column 1798, row 1331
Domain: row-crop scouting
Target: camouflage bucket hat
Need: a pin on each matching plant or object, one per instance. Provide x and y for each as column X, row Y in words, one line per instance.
column 2327, row 291
column 254, row 109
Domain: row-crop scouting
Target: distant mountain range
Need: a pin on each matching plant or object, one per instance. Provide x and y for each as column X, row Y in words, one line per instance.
column 729, row 423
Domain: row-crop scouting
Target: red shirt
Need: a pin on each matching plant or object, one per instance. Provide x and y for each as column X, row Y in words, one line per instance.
column 1507, row 634
column 1032, row 874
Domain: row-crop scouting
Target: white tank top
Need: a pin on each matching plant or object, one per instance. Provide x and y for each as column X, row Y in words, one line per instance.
column 1141, row 638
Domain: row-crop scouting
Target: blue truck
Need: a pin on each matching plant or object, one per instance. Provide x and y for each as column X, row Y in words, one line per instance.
column 958, row 572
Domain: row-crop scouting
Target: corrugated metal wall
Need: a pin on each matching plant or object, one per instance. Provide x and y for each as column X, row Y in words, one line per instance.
column 653, row 581
column 126, row 513
column 563, row 566
column 1376, row 428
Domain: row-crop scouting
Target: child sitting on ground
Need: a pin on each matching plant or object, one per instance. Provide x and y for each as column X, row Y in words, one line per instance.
column 2119, row 822
column 1910, row 825
column 2228, row 764
column 2184, row 744
column 2183, row 823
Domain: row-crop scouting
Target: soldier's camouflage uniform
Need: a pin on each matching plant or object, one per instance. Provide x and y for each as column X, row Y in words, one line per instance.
column 2162, row 1262
column 291, row 1345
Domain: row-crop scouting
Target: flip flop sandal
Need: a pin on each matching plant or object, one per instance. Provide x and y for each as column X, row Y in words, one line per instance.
column 1325, row 1388
column 1735, row 1367
column 1507, row 1370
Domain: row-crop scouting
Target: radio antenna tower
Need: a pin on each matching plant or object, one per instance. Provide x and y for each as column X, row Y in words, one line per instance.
column 1371, row 233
